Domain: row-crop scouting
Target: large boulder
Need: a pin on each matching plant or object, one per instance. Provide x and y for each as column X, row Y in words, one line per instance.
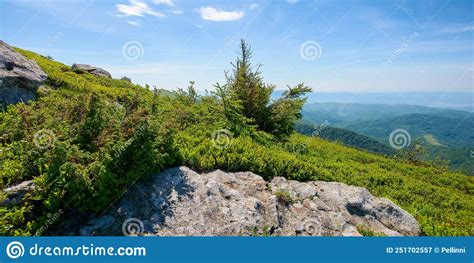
column 181, row 202
column 93, row 70
column 19, row 77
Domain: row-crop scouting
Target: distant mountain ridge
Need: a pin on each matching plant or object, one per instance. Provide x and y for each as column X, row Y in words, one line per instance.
column 336, row 113
column 446, row 100
column 445, row 133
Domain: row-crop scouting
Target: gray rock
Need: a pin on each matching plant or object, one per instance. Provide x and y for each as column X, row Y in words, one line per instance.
column 16, row 193
column 19, row 77
column 83, row 67
column 127, row 79
column 181, row 202
column 100, row 223
column 101, row 73
column 93, row 70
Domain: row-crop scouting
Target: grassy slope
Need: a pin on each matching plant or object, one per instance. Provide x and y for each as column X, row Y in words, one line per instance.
column 345, row 137
column 442, row 201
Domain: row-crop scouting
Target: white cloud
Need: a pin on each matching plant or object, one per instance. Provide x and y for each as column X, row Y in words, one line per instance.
column 177, row 12
column 213, row 14
column 133, row 23
column 253, row 6
column 137, row 8
column 164, row 2
column 292, row 1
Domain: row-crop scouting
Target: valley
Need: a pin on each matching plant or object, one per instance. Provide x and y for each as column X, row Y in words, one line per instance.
column 446, row 134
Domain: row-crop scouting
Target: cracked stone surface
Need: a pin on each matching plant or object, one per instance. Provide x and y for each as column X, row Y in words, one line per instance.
column 181, row 202
column 20, row 77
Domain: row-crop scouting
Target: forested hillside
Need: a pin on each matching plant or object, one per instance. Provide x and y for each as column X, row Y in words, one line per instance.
column 446, row 135
column 345, row 137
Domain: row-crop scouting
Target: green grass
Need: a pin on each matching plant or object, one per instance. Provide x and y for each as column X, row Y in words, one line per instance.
column 284, row 197
column 367, row 232
column 110, row 133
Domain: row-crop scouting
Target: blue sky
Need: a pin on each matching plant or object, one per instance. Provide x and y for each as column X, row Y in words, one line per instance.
column 356, row 46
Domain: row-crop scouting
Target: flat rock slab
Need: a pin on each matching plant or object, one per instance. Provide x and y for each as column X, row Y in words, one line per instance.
column 181, row 202
column 93, row 70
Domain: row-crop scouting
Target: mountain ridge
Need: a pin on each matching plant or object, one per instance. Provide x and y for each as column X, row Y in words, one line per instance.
column 443, row 100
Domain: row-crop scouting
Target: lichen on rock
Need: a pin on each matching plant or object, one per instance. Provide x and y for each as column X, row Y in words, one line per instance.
column 181, row 202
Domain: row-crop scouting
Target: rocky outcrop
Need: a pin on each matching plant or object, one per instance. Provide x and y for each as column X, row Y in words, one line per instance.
column 19, row 77
column 181, row 202
column 15, row 194
column 127, row 79
column 93, row 70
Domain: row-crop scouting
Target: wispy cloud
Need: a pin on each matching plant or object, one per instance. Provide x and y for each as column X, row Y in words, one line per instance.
column 134, row 23
column 164, row 2
column 213, row 14
column 137, row 8
column 177, row 12
column 253, row 6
